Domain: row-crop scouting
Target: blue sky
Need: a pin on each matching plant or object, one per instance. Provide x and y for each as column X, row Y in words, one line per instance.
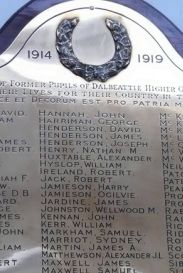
column 173, row 9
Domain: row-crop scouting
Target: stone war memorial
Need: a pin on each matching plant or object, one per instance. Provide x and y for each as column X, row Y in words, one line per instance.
column 91, row 139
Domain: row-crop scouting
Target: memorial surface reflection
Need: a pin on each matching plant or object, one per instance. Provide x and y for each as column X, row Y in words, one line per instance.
column 91, row 172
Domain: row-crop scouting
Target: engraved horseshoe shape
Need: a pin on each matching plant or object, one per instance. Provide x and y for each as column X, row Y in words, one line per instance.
column 120, row 60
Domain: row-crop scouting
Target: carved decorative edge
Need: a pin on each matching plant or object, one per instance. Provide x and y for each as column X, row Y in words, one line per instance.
column 120, row 60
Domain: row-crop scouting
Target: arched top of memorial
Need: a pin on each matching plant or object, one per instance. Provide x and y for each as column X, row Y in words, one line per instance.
column 23, row 16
